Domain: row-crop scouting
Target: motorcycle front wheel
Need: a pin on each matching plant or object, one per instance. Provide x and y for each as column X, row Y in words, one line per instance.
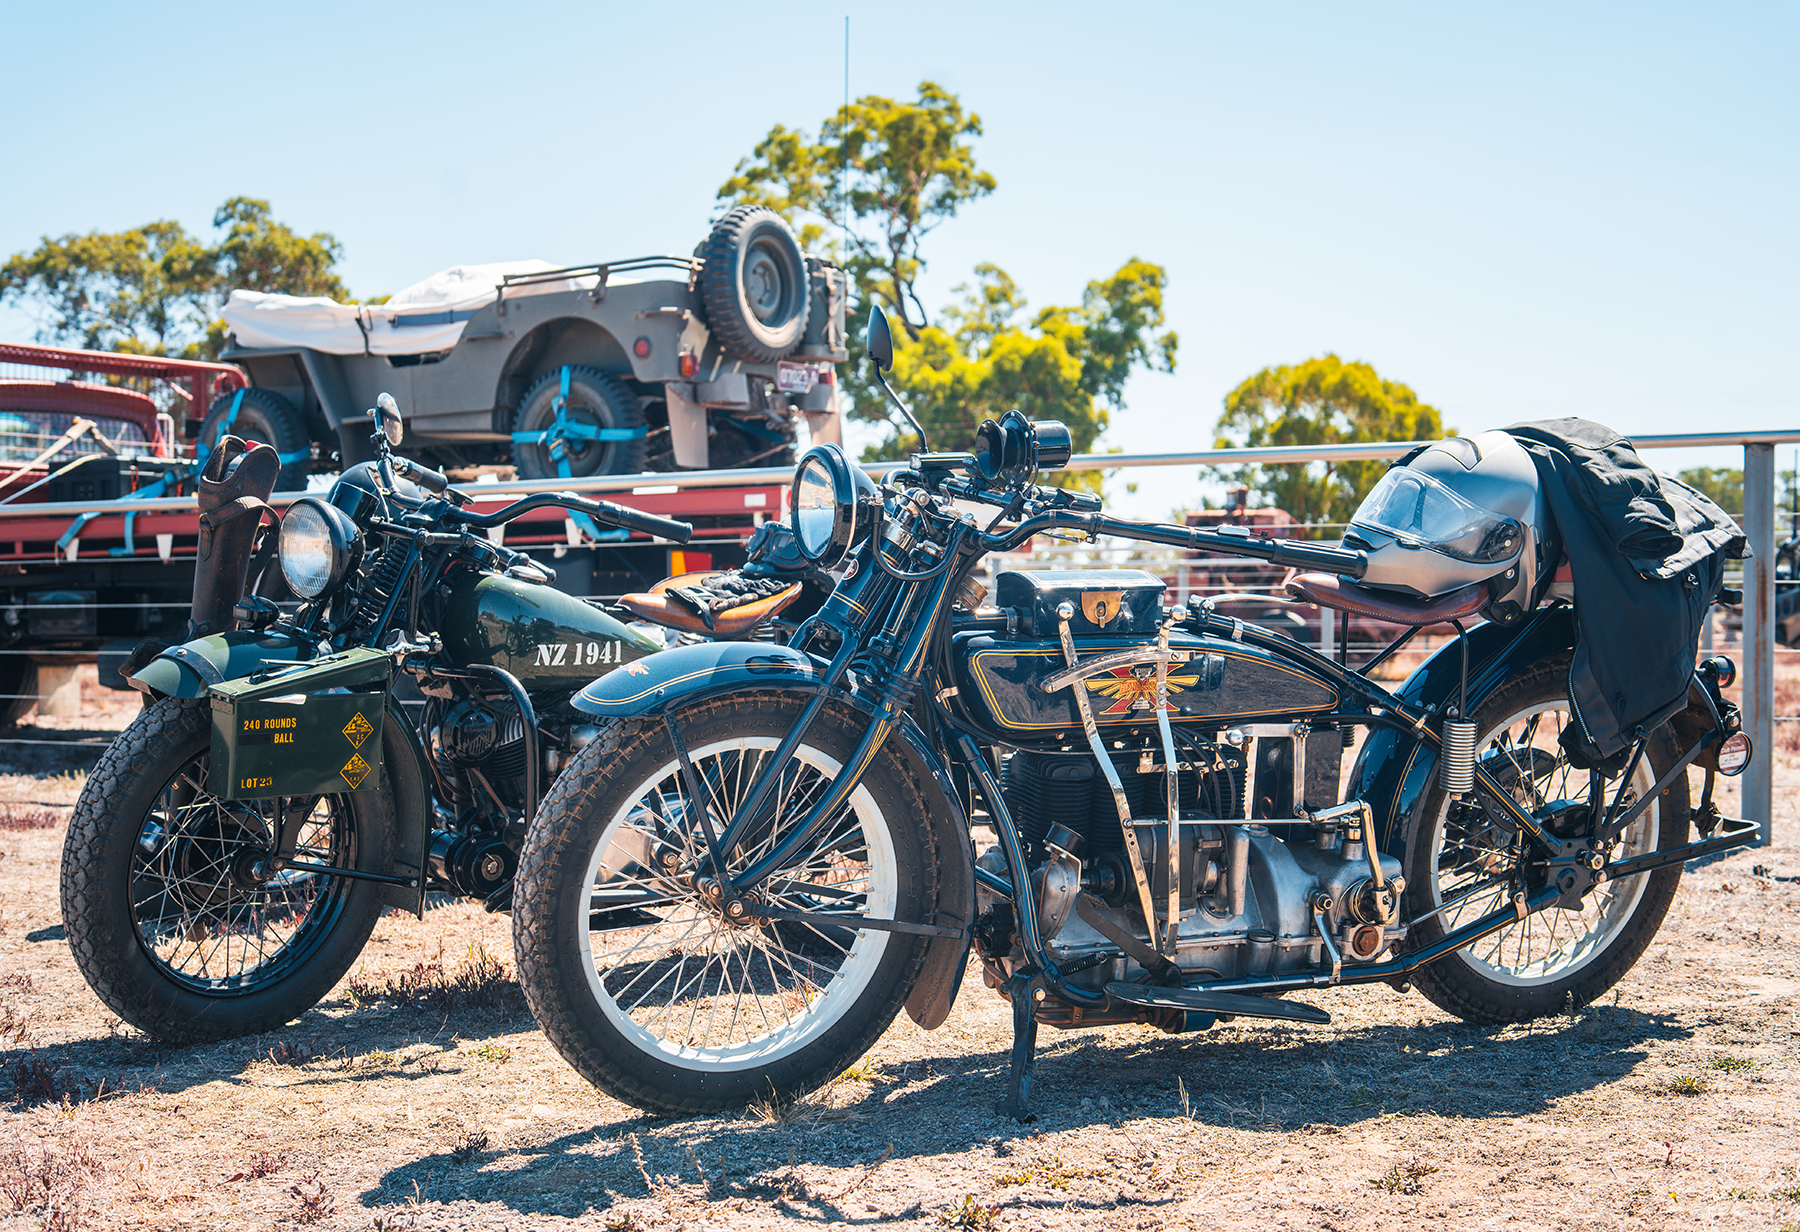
column 161, row 905
column 644, row 985
column 1463, row 858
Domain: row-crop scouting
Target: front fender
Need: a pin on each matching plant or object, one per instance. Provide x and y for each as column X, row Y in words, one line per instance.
column 656, row 682
column 1395, row 769
column 191, row 668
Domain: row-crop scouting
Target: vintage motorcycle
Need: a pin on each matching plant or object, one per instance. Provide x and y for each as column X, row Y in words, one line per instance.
column 232, row 849
column 767, row 851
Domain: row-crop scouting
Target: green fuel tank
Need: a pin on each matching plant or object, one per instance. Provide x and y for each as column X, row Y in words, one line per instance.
column 548, row 639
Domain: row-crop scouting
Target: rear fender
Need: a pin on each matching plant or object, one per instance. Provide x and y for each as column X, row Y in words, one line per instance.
column 190, row 669
column 1395, row 769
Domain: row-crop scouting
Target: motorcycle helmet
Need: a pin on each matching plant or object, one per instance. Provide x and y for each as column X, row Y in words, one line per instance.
column 1460, row 511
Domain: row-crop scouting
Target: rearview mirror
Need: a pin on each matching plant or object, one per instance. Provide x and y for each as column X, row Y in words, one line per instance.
column 387, row 419
column 879, row 341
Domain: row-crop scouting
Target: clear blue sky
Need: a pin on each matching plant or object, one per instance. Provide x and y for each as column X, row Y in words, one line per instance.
column 1521, row 210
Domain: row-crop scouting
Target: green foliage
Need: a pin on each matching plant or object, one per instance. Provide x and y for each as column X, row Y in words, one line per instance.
column 1725, row 485
column 260, row 254
column 156, row 289
column 1320, row 402
column 1070, row 364
column 899, row 169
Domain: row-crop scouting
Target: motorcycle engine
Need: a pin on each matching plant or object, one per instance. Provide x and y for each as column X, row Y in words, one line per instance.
column 1248, row 891
column 472, row 735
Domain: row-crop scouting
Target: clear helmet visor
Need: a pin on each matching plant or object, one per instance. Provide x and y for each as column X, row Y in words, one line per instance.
column 1421, row 512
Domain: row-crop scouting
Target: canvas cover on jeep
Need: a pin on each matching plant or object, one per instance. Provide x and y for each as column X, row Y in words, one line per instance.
column 427, row 316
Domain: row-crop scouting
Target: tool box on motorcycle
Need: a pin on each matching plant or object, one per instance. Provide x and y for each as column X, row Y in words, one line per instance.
column 301, row 729
column 1105, row 600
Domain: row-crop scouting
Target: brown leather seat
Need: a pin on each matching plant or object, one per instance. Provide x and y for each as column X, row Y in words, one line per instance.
column 1329, row 590
column 657, row 607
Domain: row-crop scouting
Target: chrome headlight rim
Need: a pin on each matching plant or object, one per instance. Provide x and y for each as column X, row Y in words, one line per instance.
column 338, row 534
column 825, row 466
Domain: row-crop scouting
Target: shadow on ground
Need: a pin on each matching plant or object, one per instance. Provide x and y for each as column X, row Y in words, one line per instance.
column 1279, row 1079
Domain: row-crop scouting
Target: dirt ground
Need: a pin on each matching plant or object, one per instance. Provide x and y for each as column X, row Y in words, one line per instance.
column 420, row 1095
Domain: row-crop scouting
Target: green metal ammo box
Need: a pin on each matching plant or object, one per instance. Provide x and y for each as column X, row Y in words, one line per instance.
column 301, row 730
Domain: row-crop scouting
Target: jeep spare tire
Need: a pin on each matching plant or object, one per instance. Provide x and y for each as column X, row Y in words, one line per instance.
column 754, row 286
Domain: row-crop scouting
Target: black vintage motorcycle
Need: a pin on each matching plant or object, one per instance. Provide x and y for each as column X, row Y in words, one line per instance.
column 767, row 851
column 232, row 849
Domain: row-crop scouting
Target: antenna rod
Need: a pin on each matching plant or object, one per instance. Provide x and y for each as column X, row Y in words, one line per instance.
column 844, row 154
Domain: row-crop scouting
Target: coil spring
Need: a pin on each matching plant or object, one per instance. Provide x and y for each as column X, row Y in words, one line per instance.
column 1456, row 761
column 881, row 680
column 378, row 584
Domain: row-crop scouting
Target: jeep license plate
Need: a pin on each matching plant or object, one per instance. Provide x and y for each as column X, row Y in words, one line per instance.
column 795, row 378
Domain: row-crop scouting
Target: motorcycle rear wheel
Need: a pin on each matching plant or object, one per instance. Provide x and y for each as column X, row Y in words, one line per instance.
column 164, row 919
column 644, row 987
column 1557, row 958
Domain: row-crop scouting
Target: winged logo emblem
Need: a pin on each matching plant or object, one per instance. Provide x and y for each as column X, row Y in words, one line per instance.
column 1134, row 687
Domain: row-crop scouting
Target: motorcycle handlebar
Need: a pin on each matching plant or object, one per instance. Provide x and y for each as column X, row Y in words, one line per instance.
column 604, row 511
column 1277, row 551
column 424, row 476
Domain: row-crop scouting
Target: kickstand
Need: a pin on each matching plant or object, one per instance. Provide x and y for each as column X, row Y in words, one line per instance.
column 1018, row 1088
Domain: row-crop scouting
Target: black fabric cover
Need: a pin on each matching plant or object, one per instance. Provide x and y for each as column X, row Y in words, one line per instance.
column 1648, row 554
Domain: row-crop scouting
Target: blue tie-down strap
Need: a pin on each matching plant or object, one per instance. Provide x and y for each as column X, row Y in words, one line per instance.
column 579, row 431
column 144, row 493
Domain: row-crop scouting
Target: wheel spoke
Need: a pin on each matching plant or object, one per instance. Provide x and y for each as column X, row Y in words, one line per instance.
column 748, row 989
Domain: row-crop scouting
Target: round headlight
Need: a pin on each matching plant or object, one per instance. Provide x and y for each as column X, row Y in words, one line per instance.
column 825, row 501
column 316, row 544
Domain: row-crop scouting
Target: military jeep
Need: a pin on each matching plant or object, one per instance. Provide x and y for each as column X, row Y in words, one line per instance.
column 650, row 364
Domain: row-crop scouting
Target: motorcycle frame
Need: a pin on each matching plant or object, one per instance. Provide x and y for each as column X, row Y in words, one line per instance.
column 918, row 608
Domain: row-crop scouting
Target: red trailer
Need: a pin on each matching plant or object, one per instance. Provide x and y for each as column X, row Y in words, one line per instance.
column 81, row 582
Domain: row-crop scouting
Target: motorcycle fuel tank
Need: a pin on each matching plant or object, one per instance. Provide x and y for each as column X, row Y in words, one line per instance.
column 1216, row 684
column 547, row 639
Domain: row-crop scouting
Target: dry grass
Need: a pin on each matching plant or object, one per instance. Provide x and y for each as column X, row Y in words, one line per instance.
column 418, row 1095
column 478, row 982
column 31, row 817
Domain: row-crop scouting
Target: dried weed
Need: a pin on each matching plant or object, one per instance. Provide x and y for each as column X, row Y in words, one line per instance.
column 293, row 1052
column 35, row 1081
column 479, row 982
column 313, row 1200
column 28, row 817
column 469, row 1145
column 1407, row 1178
column 971, row 1215
column 53, row 1182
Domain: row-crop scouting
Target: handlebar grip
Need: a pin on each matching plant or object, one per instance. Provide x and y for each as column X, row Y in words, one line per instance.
column 1335, row 560
column 424, row 476
column 636, row 519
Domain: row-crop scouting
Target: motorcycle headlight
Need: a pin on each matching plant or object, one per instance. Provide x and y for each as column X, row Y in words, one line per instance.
column 831, row 505
column 317, row 544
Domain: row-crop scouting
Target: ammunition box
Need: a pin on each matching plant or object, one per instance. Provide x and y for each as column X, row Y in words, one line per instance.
column 273, row 737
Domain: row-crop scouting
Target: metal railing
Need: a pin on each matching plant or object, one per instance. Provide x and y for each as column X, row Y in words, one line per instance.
column 1759, row 520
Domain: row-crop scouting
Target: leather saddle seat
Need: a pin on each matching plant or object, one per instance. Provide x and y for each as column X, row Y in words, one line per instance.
column 659, row 606
column 1330, row 590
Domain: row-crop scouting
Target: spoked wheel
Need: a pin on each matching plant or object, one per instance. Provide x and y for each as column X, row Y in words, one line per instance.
column 645, row 982
column 1464, row 858
column 167, row 910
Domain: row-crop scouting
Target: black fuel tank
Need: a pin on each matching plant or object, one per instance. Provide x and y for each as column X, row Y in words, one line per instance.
column 1221, row 683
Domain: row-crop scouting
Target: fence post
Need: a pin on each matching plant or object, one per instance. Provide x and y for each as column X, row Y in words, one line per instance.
column 1759, row 638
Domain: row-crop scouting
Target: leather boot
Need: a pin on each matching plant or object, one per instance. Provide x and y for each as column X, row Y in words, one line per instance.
column 232, row 493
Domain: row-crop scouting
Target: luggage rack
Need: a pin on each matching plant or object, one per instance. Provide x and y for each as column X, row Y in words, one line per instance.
column 600, row 271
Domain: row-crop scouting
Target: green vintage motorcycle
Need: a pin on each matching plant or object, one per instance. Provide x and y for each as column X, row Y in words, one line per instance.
column 230, row 853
